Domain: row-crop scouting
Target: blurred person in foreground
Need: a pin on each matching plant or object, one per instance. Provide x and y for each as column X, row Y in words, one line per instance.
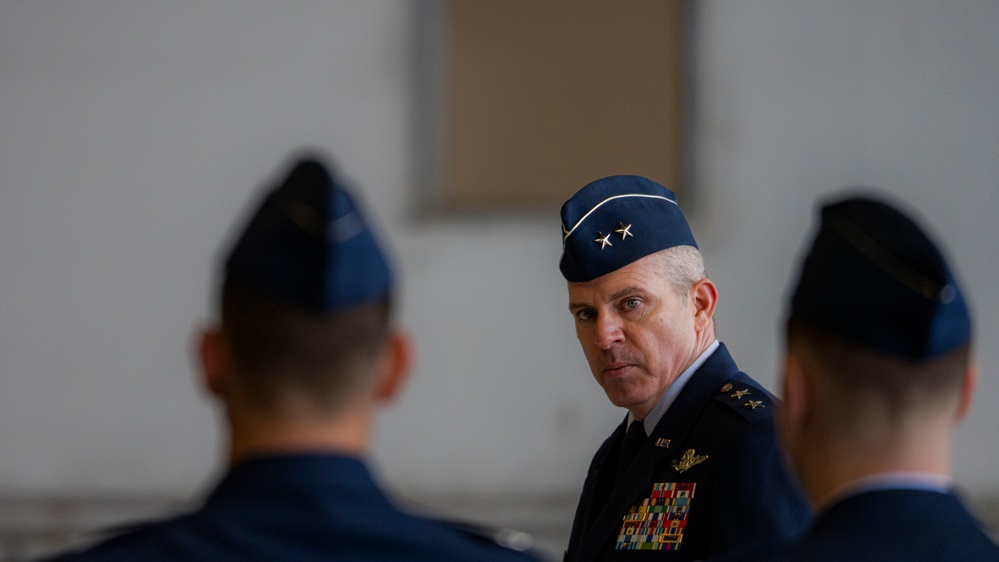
column 304, row 354
column 694, row 469
column 877, row 376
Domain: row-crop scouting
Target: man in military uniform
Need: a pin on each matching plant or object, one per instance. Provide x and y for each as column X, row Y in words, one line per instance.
column 877, row 377
column 694, row 469
column 304, row 353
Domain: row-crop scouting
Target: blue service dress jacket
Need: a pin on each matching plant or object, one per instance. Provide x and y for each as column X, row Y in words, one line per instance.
column 709, row 478
column 301, row 508
column 887, row 526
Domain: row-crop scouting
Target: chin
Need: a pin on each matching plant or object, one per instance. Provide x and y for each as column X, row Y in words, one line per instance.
column 623, row 400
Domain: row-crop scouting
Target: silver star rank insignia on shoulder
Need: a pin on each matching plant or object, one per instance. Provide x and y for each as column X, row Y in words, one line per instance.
column 689, row 459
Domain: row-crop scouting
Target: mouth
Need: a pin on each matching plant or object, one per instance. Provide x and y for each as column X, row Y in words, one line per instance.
column 617, row 369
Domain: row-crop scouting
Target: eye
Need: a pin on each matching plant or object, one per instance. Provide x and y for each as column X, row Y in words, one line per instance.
column 585, row 314
column 632, row 303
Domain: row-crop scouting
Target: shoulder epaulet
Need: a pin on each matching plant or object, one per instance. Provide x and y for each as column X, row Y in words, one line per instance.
column 746, row 399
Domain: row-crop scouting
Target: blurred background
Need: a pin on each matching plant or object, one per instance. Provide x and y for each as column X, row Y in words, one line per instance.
column 133, row 134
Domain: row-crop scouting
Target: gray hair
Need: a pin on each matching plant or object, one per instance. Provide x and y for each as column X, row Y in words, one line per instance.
column 682, row 266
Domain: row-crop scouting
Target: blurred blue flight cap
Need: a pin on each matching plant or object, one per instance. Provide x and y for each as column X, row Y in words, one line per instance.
column 875, row 278
column 308, row 244
column 615, row 221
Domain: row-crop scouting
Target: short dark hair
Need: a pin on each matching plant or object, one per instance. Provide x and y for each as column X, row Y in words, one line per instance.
column 898, row 383
column 277, row 347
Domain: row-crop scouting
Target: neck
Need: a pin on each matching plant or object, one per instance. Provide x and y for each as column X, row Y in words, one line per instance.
column 655, row 408
column 260, row 435
column 838, row 459
column 704, row 339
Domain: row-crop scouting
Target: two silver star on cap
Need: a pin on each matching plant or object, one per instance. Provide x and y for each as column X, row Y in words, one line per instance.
column 604, row 239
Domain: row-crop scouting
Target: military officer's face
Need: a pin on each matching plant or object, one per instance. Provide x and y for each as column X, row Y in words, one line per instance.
column 637, row 332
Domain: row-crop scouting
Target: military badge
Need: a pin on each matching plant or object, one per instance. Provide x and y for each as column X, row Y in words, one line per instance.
column 689, row 459
column 658, row 521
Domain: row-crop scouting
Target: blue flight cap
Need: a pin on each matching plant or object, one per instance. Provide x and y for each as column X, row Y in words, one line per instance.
column 875, row 278
column 308, row 244
column 615, row 221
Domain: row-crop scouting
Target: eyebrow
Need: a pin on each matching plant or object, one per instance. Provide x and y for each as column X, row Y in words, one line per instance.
column 631, row 290
column 627, row 291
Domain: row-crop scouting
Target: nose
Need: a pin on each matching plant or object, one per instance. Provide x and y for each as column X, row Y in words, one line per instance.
column 608, row 331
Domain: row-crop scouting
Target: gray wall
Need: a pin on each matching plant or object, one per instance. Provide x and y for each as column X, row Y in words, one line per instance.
column 133, row 133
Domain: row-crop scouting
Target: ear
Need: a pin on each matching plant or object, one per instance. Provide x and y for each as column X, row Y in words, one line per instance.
column 213, row 353
column 703, row 297
column 395, row 368
column 968, row 385
column 798, row 405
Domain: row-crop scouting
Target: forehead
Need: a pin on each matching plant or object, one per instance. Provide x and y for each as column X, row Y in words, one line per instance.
column 641, row 276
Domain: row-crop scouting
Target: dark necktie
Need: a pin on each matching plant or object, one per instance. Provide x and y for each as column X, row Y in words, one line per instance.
column 632, row 442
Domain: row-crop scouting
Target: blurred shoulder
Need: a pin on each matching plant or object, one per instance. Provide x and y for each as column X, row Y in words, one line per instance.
column 123, row 543
column 771, row 551
column 501, row 543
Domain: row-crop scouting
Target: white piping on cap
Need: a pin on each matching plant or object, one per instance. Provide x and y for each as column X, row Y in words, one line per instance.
column 595, row 207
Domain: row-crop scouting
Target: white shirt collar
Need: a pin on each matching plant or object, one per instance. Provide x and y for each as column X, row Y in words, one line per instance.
column 657, row 412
